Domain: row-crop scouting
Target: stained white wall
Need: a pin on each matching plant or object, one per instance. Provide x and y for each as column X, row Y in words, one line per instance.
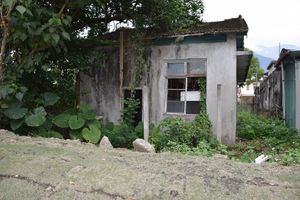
column 221, row 69
column 101, row 89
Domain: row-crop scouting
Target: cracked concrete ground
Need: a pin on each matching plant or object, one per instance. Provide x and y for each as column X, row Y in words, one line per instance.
column 40, row 168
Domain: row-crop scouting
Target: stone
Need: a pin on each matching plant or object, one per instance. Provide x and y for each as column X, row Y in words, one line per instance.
column 143, row 146
column 105, row 143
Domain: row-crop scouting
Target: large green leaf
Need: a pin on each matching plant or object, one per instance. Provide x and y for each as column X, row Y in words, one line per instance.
column 66, row 35
column 87, row 115
column 15, row 111
column 56, row 38
column 50, row 98
column 37, row 118
column 53, row 134
column 91, row 134
column 8, row 2
column 62, row 120
column 20, row 96
column 76, row 122
column 95, row 123
column 21, row 9
column 15, row 124
column 76, row 134
column 5, row 90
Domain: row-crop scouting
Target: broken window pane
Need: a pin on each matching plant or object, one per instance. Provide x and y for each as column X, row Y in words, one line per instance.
column 174, row 95
column 196, row 68
column 176, row 83
column 192, row 107
column 175, row 69
column 193, row 84
column 175, row 106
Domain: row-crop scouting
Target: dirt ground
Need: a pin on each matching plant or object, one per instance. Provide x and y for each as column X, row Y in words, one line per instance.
column 40, row 168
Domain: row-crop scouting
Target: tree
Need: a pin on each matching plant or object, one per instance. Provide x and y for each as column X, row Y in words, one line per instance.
column 255, row 72
column 42, row 51
column 36, row 30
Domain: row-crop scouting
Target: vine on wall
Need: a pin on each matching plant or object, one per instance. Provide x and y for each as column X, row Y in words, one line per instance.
column 202, row 89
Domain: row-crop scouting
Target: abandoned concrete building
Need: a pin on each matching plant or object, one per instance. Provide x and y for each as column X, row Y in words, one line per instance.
column 167, row 85
column 280, row 90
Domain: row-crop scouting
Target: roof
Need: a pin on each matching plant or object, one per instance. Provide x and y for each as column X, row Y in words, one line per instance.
column 243, row 63
column 286, row 53
column 272, row 63
column 233, row 25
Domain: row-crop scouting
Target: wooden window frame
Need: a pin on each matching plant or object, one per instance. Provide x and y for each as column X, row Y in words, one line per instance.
column 183, row 76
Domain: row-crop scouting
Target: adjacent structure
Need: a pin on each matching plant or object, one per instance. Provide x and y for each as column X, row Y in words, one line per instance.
column 166, row 69
column 280, row 91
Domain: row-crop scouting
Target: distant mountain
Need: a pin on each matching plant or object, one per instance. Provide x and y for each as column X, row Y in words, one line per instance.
column 266, row 54
column 263, row 61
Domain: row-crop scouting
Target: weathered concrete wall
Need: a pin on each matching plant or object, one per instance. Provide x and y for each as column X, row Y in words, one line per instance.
column 268, row 96
column 101, row 90
column 221, row 69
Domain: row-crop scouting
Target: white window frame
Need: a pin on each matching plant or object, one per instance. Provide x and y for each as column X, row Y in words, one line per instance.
column 183, row 76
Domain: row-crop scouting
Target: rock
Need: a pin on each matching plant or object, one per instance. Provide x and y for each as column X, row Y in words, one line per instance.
column 143, row 146
column 105, row 143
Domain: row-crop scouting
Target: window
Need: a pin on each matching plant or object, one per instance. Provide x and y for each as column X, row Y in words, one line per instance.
column 183, row 90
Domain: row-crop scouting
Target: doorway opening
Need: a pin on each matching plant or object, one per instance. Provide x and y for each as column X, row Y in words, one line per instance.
column 138, row 95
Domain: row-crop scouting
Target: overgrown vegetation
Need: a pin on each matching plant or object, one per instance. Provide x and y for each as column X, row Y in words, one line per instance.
column 122, row 135
column 270, row 136
column 79, row 123
column 256, row 135
column 178, row 135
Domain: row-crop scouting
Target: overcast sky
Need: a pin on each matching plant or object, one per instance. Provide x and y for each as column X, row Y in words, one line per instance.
column 269, row 21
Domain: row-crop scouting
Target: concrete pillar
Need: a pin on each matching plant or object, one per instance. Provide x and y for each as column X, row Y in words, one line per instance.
column 146, row 113
column 219, row 112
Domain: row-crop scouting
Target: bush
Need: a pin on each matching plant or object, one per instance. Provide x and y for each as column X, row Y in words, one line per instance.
column 122, row 135
column 250, row 126
column 270, row 136
column 178, row 135
column 24, row 111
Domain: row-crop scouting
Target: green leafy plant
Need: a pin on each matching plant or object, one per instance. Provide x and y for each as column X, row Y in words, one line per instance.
column 91, row 134
column 270, row 136
column 36, row 118
column 180, row 133
column 80, row 123
column 130, row 109
column 23, row 111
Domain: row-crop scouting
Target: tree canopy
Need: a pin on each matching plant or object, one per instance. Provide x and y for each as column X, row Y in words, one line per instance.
column 30, row 27
column 255, row 71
